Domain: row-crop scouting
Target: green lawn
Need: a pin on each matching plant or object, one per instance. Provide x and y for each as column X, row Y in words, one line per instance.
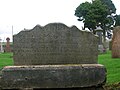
column 112, row 65
column 6, row 59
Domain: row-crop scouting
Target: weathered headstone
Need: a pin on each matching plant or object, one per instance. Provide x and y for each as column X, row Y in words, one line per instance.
column 55, row 44
column 54, row 56
column 116, row 43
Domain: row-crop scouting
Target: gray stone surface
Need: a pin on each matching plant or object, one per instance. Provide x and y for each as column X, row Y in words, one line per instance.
column 55, row 43
column 101, row 49
column 53, row 76
column 54, row 56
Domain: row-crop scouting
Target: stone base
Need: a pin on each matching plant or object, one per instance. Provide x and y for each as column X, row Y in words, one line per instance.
column 101, row 49
column 53, row 76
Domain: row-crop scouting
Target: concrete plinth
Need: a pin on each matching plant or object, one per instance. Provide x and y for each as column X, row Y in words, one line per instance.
column 53, row 76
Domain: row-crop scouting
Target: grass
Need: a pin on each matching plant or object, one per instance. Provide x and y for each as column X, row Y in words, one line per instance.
column 6, row 59
column 112, row 65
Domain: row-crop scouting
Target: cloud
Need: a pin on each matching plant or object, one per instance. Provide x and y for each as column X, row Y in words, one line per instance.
column 28, row 13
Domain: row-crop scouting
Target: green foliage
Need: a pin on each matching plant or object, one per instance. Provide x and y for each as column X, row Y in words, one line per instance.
column 82, row 10
column 112, row 65
column 117, row 19
column 110, row 19
column 97, row 13
column 92, row 14
column 110, row 6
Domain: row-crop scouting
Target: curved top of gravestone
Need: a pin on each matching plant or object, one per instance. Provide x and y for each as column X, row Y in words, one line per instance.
column 55, row 24
column 55, row 43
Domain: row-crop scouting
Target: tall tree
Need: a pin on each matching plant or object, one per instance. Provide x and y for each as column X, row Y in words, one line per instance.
column 96, row 13
column 92, row 14
column 110, row 6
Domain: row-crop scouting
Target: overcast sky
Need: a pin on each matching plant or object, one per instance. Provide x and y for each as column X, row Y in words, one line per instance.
column 27, row 13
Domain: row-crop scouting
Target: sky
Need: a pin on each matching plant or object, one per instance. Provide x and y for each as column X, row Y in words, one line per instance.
column 21, row 14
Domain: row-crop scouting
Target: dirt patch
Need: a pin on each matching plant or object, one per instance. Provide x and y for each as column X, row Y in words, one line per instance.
column 115, row 86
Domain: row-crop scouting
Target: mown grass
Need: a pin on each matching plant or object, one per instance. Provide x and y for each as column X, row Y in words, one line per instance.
column 6, row 59
column 112, row 65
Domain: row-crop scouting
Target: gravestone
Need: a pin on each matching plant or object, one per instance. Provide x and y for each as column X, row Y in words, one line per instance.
column 116, row 43
column 7, row 48
column 99, row 32
column 55, row 44
column 1, row 46
column 54, row 56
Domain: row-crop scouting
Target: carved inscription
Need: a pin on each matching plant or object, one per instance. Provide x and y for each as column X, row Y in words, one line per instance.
column 54, row 43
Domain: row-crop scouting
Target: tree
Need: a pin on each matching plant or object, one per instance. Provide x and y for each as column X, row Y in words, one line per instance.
column 117, row 19
column 111, row 18
column 96, row 13
column 110, row 6
column 92, row 14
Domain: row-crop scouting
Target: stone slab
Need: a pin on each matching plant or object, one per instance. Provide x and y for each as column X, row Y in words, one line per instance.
column 116, row 43
column 54, row 44
column 53, row 76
